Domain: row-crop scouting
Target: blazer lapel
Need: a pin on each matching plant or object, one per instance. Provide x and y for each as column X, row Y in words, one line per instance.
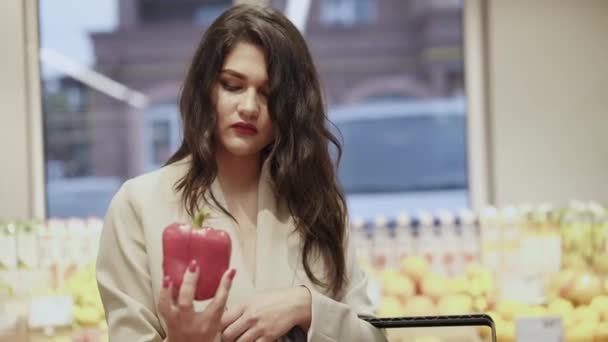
column 242, row 286
column 274, row 227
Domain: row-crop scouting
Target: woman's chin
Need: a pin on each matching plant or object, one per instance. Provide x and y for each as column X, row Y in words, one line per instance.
column 243, row 151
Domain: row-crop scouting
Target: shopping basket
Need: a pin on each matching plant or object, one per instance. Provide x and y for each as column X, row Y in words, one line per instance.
column 434, row 321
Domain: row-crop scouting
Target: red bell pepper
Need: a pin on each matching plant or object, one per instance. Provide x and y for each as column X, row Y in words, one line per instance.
column 210, row 247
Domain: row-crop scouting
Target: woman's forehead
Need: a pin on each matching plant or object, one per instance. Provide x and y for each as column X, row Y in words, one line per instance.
column 246, row 61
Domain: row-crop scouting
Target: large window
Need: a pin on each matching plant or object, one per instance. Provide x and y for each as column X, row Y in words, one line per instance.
column 348, row 12
column 392, row 73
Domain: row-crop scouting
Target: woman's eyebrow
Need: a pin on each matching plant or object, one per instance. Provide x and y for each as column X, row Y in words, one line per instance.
column 238, row 75
column 234, row 73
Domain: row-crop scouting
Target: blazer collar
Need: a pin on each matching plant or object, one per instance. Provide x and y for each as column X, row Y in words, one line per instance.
column 276, row 239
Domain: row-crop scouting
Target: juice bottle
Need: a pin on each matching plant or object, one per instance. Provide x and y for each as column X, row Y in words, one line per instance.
column 471, row 242
column 491, row 238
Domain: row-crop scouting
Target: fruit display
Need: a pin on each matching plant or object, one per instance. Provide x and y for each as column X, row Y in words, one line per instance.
column 54, row 259
column 532, row 262
column 415, row 290
column 511, row 263
column 580, row 299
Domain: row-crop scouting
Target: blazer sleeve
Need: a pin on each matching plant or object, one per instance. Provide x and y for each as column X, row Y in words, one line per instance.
column 123, row 275
column 337, row 320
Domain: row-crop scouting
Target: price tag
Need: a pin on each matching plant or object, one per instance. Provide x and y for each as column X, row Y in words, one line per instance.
column 525, row 289
column 546, row 329
column 50, row 311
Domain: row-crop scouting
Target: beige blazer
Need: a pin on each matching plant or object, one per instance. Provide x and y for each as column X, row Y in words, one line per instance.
column 129, row 265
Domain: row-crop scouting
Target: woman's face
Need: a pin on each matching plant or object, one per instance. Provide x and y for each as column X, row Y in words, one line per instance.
column 241, row 102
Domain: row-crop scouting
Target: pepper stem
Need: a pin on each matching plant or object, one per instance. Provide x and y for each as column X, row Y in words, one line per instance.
column 199, row 219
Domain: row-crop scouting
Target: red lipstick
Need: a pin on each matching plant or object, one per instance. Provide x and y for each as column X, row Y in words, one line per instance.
column 245, row 128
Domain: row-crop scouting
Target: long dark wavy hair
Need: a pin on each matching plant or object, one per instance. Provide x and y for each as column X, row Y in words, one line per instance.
column 302, row 172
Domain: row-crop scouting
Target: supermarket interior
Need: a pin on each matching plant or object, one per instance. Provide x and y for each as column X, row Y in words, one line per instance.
column 500, row 208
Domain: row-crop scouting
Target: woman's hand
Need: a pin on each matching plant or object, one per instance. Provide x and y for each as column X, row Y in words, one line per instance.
column 183, row 323
column 268, row 316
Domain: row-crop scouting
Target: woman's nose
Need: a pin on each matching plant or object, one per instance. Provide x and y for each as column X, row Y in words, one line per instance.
column 249, row 104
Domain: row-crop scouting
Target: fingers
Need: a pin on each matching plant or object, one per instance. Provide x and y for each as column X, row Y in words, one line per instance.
column 165, row 300
column 251, row 335
column 231, row 316
column 186, row 292
column 218, row 303
column 237, row 328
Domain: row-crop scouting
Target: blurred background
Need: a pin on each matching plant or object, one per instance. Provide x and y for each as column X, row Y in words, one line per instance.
column 394, row 85
column 474, row 138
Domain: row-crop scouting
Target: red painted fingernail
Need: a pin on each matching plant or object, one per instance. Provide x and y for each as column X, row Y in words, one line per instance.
column 166, row 282
column 193, row 266
column 231, row 274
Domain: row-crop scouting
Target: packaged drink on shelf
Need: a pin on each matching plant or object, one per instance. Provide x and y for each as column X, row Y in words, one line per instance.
column 469, row 230
column 8, row 259
column 539, row 257
column 576, row 228
column 8, row 246
column 27, row 244
column 511, row 246
column 491, row 238
column 54, row 253
column 94, row 227
column 383, row 253
column 362, row 242
column 362, row 235
column 551, row 241
column 428, row 244
column 600, row 239
column 76, row 242
column 48, row 245
column 404, row 238
column 449, row 244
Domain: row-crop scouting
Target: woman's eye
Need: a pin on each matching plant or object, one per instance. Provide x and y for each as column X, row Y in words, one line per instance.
column 231, row 86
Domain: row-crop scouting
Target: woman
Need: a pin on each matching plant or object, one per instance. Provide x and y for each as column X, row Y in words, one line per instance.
column 254, row 155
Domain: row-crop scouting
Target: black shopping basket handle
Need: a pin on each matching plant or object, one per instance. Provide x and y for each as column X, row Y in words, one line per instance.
column 433, row 321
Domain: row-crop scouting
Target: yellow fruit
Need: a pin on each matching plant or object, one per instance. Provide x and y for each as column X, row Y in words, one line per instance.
column 475, row 288
column 560, row 306
column 533, row 311
column 569, row 320
column 434, row 286
column 396, row 284
column 581, row 333
column 485, row 332
column 455, row 305
column 509, row 309
column 390, row 307
column 420, row 306
column 87, row 315
column 587, row 315
column 480, row 304
column 600, row 334
column 585, row 287
column 457, row 285
column 486, row 281
column 416, row 267
column 494, row 315
column 559, row 282
column 574, row 261
column 600, row 304
column 505, row 331
column 474, row 269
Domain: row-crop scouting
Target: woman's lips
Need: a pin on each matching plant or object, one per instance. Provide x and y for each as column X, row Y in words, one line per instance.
column 244, row 128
